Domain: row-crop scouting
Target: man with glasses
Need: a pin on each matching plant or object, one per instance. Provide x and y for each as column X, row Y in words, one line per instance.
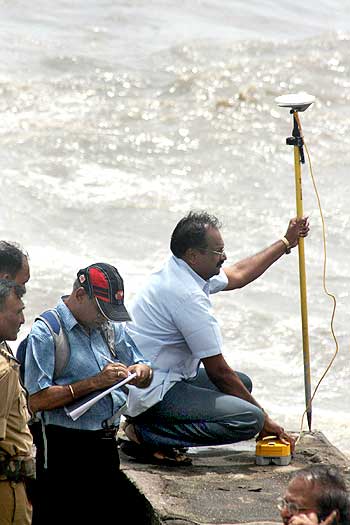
column 316, row 494
column 80, row 477
column 173, row 325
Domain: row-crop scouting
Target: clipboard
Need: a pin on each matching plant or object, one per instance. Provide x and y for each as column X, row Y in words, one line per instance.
column 77, row 409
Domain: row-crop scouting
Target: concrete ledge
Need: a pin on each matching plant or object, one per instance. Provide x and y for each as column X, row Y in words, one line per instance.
column 224, row 485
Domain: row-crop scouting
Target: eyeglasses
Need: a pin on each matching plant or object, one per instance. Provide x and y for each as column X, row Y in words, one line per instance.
column 222, row 252
column 291, row 507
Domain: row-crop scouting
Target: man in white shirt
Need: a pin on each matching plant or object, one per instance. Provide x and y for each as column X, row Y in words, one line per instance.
column 174, row 327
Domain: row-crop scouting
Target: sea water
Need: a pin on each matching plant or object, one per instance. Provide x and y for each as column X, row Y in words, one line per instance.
column 118, row 117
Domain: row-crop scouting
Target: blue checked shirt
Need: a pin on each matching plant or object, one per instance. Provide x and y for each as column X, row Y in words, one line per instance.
column 85, row 361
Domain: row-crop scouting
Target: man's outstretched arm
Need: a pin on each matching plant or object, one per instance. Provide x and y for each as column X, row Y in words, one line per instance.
column 244, row 272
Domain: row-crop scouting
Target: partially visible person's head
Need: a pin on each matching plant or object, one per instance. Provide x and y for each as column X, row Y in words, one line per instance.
column 98, row 296
column 13, row 263
column 11, row 309
column 318, row 489
column 197, row 240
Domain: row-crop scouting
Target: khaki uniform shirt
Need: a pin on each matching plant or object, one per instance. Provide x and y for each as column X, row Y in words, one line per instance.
column 15, row 436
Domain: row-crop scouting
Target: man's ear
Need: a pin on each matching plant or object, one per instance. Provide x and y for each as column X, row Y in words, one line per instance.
column 191, row 256
column 80, row 294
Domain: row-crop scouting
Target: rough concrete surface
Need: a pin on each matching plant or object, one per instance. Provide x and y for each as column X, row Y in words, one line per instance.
column 224, row 485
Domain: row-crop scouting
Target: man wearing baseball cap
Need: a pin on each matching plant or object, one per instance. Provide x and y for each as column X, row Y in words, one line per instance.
column 82, row 463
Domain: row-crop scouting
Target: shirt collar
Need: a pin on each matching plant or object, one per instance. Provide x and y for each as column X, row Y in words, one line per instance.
column 7, row 351
column 202, row 283
column 67, row 318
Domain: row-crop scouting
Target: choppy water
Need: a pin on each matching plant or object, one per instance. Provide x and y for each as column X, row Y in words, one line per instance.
column 118, row 118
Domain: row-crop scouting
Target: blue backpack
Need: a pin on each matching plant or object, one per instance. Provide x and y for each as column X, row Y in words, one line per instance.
column 62, row 349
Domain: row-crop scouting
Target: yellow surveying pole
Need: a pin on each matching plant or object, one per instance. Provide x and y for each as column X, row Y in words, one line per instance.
column 300, row 103
column 298, row 160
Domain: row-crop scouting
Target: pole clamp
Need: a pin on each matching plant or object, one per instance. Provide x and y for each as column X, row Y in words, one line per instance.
column 295, row 141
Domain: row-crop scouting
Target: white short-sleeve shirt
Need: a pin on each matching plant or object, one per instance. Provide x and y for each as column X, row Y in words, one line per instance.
column 174, row 328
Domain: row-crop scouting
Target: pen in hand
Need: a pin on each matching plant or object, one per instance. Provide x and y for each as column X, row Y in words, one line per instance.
column 107, row 358
column 113, row 362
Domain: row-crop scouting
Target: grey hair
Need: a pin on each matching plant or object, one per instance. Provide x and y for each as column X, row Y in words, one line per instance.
column 330, row 491
column 11, row 258
column 6, row 288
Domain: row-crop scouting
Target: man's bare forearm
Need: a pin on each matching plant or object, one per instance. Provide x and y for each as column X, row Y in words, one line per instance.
column 60, row 395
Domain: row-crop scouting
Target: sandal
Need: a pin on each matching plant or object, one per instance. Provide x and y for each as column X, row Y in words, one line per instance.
column 169, row 456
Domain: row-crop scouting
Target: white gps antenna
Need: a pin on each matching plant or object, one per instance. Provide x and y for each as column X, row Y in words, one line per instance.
column 296, row 101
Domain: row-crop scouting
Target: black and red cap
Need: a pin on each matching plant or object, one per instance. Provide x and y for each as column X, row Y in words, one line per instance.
column 103, row 281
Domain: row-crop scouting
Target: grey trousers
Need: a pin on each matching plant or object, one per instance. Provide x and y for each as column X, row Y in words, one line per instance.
column 195, row 413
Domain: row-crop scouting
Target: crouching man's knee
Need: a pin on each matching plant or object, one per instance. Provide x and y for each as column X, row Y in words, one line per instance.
column 247, row 425
column 254, row 422
column 260, row 420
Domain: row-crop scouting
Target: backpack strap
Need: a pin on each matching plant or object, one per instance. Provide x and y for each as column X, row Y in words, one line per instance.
column 53, row 322
column 62, row 350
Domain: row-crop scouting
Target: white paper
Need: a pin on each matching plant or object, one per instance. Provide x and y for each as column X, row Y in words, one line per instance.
column 80, row 410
